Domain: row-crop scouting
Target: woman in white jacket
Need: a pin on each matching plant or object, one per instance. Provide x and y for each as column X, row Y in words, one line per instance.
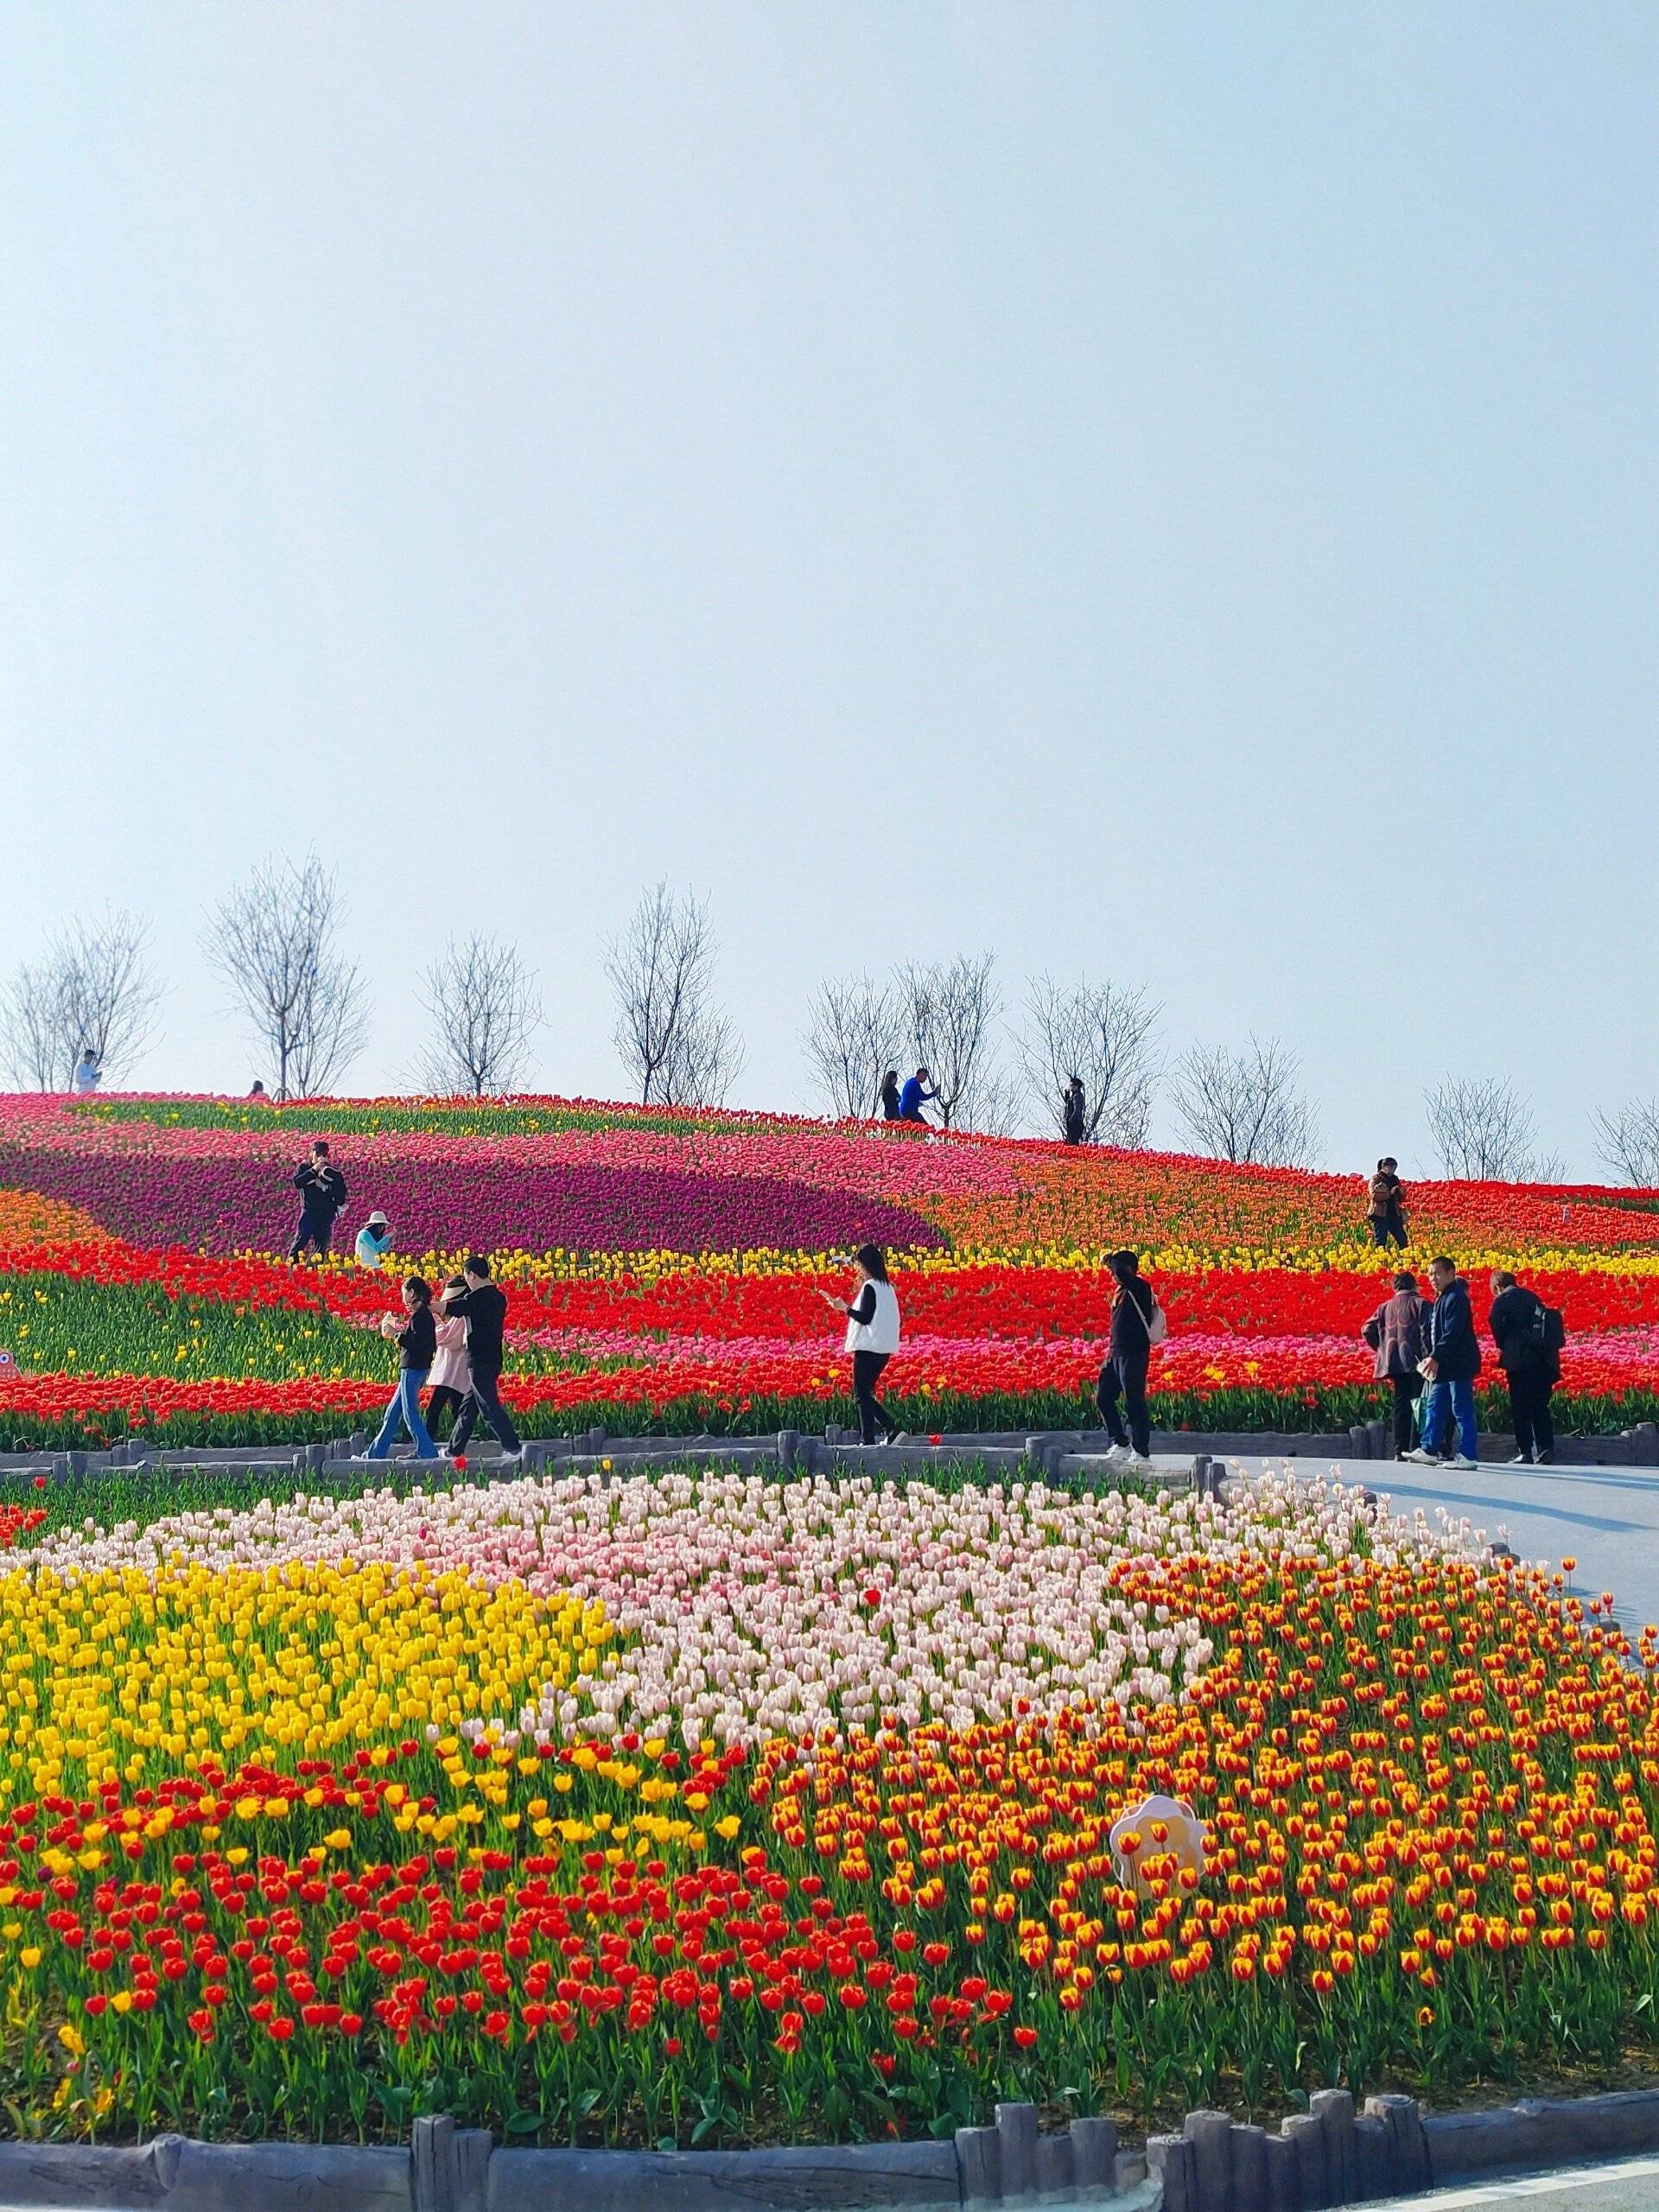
column 872, row 1337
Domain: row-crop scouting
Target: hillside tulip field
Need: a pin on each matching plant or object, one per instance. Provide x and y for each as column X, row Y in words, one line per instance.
column 693, row 1807
column 662, row 1268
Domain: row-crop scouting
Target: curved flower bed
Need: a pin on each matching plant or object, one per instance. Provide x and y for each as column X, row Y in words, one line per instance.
column 320, row 1814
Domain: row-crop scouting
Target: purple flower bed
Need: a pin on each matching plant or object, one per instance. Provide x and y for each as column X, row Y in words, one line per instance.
column 225, row 1205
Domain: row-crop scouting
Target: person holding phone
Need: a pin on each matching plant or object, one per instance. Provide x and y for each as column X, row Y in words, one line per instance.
column 322, row 1194
column 872, row 1337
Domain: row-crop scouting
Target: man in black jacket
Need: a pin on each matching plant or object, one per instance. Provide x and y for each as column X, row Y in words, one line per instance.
column 1453, row 1363
column 322, row 1194
column 485, row 1308
column 1520, row 1327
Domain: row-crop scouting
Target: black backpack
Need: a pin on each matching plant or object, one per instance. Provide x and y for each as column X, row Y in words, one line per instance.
column 1555, row 1330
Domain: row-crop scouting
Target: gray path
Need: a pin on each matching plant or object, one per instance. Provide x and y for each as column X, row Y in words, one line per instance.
column 1605, row 1518
column 1632, row 2185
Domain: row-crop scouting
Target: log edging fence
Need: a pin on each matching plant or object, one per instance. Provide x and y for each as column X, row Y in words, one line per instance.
column 1330, row 2155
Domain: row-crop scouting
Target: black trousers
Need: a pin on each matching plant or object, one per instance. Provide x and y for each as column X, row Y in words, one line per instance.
column 1529, row 1390
column 866, row 1373
column 444, row 1399
column 1389, row 1228
column 1125, row 1377
column 320, row 1234
column 484, row 1402
column 1406, row 1388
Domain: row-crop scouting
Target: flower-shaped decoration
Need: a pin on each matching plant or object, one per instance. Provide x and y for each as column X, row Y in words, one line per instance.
column 1158, row 1829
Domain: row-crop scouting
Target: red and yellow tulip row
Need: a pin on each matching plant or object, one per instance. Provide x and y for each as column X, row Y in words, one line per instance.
column 252, row 1873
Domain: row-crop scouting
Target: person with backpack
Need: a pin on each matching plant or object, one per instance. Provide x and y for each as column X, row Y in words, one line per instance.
column 1450, row 1369
column 1138, row 1324
column 1529, row 1336
column 1398, row 1333
column 1386, row 1211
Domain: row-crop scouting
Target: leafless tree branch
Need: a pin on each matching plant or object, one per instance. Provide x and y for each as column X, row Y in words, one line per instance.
column 1629, row 1143
column 273, row 942
column 92, row 990
column 1104, row 1034
column 679, row 1046
column 853, row 1037
column 1246, row 1107
column 1483, row 1131
column 484, row 1008
column 947, row 1010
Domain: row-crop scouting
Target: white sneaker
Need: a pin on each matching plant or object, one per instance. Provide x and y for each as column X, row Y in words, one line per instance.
column 1421, row 1458
column 1462, row 1463
column 1118, row 1454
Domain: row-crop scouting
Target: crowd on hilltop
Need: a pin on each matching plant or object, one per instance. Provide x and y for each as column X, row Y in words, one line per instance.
column 1426, row 1347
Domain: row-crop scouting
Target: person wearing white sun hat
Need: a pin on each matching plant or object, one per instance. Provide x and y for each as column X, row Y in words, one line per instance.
column 373, row 1241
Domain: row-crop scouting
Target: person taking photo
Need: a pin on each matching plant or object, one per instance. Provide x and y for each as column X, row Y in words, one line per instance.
column 322, row 1194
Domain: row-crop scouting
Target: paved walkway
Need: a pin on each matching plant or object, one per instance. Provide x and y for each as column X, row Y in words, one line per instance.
column 1605, row 1518
column 1632, row 2185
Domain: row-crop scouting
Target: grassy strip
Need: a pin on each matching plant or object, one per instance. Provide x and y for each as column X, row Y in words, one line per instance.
column 465, row 1118
column 71, row 1325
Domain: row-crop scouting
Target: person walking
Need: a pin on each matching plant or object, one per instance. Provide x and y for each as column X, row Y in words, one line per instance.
column 484, row 1308
column 1386, row 1211
column 1137, row 1325
column 88, row 1074
column 322, row 1194
column 916, row 1095
column 1450, row 1369
column 416, row 1342
column 1528, row 1336
column 451, row 1378
column 373, row 1241
column 872, row 1337
column 892, row 1108
column 1075, row 1111
column 1398, row 1333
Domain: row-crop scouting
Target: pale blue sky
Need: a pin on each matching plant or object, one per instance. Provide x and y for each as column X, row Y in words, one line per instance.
column 1165, row 491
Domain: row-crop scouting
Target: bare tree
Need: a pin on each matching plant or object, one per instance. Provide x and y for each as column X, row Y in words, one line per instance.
column 1629, row 1143
column 946, row 1010
column 1247, row 1107
column 1103, row 1034
column 1483, row 1131
column 852, row 1040
column 485, row 1008
column 32, row 1028
column 679, row 1046
column 273, row 940
column 92, row 991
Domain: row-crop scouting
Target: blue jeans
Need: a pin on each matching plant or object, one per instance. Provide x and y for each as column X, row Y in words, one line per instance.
column 1456, row 1401
column 404, row 1411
